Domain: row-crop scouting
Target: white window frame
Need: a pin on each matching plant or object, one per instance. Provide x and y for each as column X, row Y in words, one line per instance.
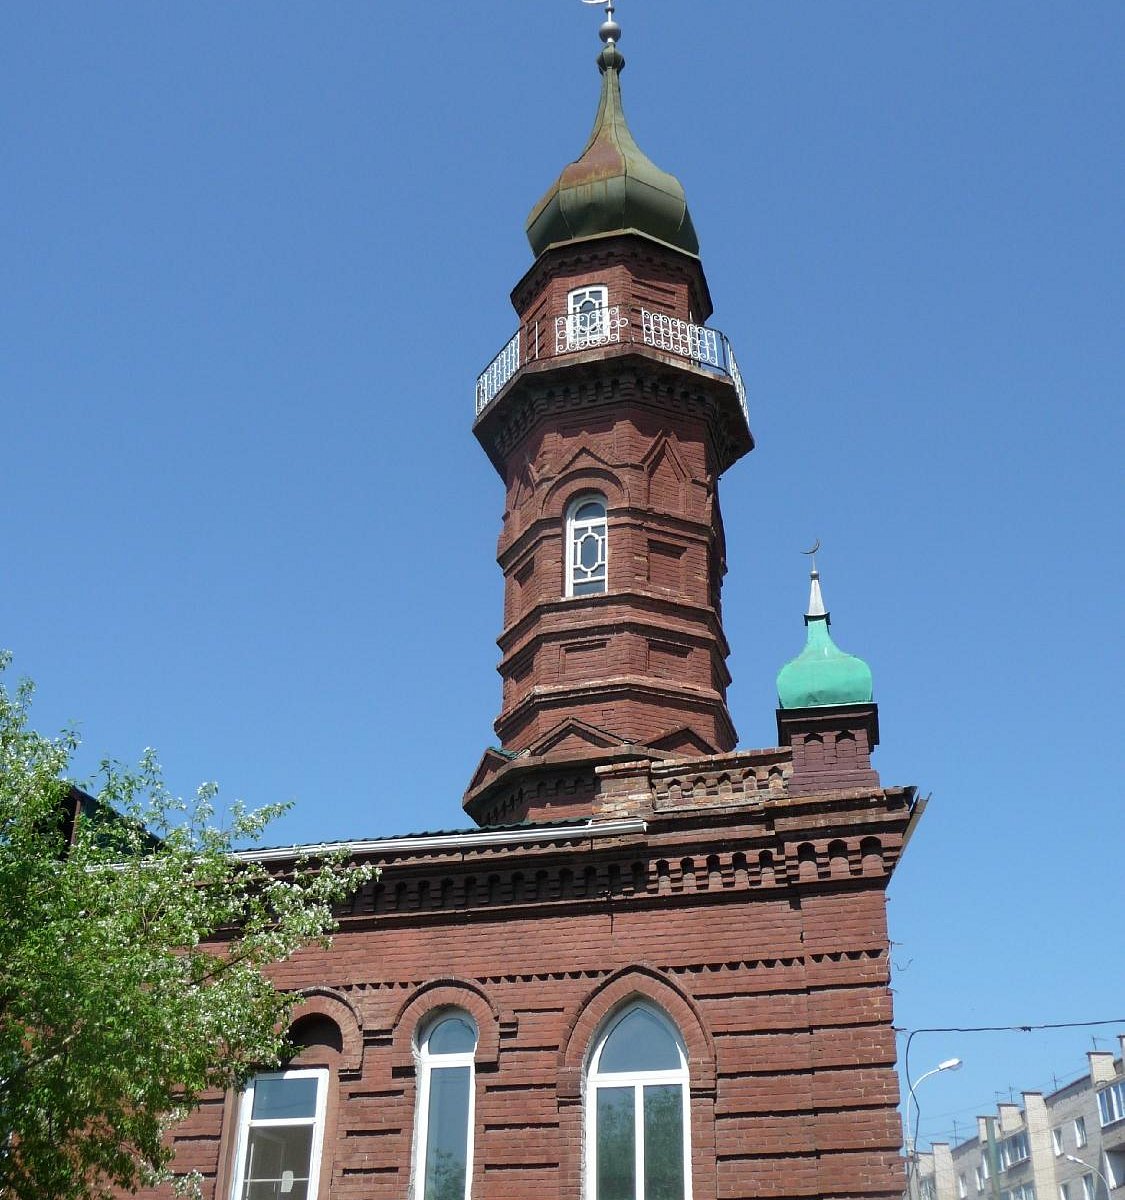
column 962, row 1186
column 1111, row 1103
column 1057, row 1140
column 426, row 1064
column 1089, row 1191
column 589, row 328
column 246, row 1123
column 572, row 531
column 638, row 1080
column 1080, row 1135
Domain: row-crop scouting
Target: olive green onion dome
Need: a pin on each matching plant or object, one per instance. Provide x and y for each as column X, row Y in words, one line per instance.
column 822, row 674
column 612, row 187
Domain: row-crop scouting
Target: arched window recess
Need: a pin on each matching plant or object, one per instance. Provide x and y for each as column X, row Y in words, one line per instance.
column 443, row 1140
column 638, row 1141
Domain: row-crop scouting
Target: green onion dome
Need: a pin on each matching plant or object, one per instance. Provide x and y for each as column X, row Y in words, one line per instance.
column 822, row 674
column 612, row 187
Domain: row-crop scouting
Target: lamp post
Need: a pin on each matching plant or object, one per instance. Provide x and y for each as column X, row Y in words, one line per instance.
column 950, row 1064
column 1090, row 1167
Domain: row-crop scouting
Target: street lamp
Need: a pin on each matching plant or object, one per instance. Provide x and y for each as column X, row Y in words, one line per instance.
column 1090, row 1167
column 950, row 1064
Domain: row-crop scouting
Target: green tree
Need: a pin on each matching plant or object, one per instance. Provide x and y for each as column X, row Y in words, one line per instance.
column 134, row 946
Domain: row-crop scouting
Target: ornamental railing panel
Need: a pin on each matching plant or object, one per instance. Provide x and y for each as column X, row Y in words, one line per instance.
column 585, row 330
column 706, row 348
column 498, row 372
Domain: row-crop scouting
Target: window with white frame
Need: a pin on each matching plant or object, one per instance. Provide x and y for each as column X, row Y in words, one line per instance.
column 1088, row 1192
column 587, row 546
column 980, row 1178
column 443, row 1142
column 587, row 317
column 1114, row 1163
column 1080, row 1132
column 1056, row 1140
column 280, row 1135
column 638, row 1142
column 1064, row 1191
column 1111, row 1103
column 1014, row 1150
column 962, row 1186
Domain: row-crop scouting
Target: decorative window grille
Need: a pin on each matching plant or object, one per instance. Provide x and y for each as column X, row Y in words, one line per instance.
column 638, row 1141
column 280, row 1135
column 587, row 541
column 443, row 1147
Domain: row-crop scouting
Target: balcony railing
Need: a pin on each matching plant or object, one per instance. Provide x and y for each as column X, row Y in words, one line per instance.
column 706, row 348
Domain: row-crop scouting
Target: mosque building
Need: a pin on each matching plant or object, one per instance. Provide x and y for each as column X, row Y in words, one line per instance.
column 656, row 965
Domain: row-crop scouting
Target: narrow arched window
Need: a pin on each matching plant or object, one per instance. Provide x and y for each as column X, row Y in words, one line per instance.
column 587, row 319
column 637, row 1136
column 587, row 546
column 443, row 1157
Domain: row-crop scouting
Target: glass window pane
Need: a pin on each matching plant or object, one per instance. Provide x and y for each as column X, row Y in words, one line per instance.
column 664, row 1142
column 616, row 1142
column 284, row 1098
column 589, row 551
column 447, row 1133
column 640, row 1042
column 277, row 1161
column 589, row 587
column 591, row 510
column 453, row 1035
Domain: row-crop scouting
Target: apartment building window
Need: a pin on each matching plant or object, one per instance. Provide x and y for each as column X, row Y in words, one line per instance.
column 1088, row 1187
column 962, row 1187
column 1111, row 1103
column 1114, row 1167
column 1056, row 1140
column 1064, row 1191
column 980, row 1177
column 1080, row 1132
column 1014, row 1150
column 280, row 1131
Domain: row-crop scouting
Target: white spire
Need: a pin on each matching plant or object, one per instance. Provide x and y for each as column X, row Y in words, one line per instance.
column 816, row 600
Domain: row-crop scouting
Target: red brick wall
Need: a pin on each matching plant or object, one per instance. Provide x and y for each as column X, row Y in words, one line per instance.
column 779, row 989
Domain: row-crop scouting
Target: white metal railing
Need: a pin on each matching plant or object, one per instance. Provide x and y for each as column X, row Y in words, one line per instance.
column 499, row 371
column 707, row 348
column 691, row 341
column 583, row 330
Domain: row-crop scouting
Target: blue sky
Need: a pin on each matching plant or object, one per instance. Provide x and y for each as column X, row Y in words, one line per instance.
column 257, row 253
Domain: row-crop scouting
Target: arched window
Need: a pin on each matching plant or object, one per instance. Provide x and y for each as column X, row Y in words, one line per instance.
column 587, row 317
column 443, row 1153
column 280, row 1134
column 637, row 1136
column 587, row 548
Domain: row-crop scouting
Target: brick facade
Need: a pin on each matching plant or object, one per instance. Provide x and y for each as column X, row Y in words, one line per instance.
column 625, row 848
column 751, row 915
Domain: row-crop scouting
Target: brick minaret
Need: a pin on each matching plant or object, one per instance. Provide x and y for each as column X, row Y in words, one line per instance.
column 610, row 416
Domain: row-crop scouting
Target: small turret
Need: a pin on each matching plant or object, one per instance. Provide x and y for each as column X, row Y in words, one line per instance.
column 825, row 711
column 822, row 673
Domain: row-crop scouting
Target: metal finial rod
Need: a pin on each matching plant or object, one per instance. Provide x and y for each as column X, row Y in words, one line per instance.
column 610, row 31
